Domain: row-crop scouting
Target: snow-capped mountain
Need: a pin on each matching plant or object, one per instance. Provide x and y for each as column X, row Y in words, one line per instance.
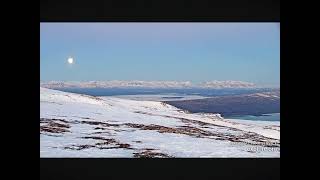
column 146, row 84
column 76, row 125
column 116, row 84
column 226, row 84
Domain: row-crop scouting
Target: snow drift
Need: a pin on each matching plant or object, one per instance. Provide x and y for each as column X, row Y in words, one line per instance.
column 76, row 125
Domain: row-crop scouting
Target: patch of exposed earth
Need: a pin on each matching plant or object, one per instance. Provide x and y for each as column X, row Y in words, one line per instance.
column 74, row 125
column 105, row 134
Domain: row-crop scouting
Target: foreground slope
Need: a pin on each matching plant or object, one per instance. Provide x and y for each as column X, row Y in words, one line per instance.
column 75, row 125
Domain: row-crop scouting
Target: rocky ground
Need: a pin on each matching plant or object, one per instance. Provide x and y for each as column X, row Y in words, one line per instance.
column 73, row 125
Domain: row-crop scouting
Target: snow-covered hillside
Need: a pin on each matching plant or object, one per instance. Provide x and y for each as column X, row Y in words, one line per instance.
column 75, row 125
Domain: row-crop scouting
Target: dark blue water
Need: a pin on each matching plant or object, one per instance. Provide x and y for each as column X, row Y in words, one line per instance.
column 177, row 92
column 149, row 91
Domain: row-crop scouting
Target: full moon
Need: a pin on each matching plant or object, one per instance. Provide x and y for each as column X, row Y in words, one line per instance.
column 70, row 60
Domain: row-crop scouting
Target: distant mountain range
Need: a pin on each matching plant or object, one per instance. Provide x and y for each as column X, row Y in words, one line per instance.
column 146, row 84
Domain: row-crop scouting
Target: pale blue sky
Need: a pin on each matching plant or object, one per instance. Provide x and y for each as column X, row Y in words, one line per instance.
column 161, row 51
